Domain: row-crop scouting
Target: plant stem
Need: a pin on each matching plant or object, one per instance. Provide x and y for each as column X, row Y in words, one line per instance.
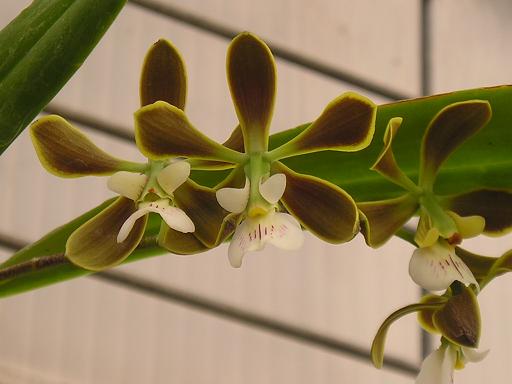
column 43, row 262
column 406, row 235
column 32, row 265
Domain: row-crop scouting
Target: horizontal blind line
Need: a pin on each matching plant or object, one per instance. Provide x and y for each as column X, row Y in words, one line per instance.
column 228, row 312
column 281, row 52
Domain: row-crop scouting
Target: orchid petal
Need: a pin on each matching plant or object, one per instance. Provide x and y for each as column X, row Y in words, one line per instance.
column 459, row 319
column 425, row 317
column 381, row 219
column 129, row 223
column 436, row 267
column 94, row 246
column 251, row 74
column 379, row 341
column 173, row 217
column 212, row 222
column 163, row 130
column 179, row 243
column 474, row 356
column 235, row 141
column 468, row 226
column 172, row 176
column 66, row 152
column 323, row 208
column 234, row 199
column 235, row 179
column 438, row 367
column 127, row 184
column 449, row 129
column 163, row 76
column 273, row 188
column 480, row 265
column 495, row 206
column 278, row 229
column 286, row 232
column 386, row 164
column 346, row 124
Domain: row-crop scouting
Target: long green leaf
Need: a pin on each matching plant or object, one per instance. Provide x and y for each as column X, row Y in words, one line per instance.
column 40, row 50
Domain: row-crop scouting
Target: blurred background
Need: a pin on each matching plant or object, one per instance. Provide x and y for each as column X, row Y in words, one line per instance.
column 284, row 317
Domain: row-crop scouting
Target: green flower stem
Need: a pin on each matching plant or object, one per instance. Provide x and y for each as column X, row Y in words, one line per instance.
column 284, row 151
column 255, row 169
column 134, row 167
column 230, row 155
column 32, row 265
column 407, row 235
column 440, row 219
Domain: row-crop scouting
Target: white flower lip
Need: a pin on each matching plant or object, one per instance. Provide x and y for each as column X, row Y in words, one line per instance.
column 436, row 267
column 278, row 229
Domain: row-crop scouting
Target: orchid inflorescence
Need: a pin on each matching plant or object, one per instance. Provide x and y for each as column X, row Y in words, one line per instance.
column 261, row 200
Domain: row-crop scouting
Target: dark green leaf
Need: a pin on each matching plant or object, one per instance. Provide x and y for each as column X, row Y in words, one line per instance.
column 40, row 50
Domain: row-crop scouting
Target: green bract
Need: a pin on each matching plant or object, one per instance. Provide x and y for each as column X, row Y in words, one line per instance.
column 260, row 186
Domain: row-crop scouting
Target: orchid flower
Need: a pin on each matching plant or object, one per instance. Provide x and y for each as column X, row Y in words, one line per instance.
column 438, row 367
column 109, row 237
column 263, row 224
column 263, row 200
column 456, row 316
column 444, row 220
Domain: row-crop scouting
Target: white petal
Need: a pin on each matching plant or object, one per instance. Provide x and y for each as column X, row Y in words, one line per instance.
column 436, row 267
column 234, row 199
column 127, row 184
column 278, row 229
column 174, row 217
column 127, row 226
column 474, row 356
column 172, row 176
column 273, row 188
column 437, row 368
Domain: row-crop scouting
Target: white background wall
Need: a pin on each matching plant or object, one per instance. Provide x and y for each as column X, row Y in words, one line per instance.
column 90, row 331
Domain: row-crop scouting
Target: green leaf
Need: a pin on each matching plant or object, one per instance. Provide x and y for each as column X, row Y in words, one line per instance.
column 40, row 50
column 55, row 243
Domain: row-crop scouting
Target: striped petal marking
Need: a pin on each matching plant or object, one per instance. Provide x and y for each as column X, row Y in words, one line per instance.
column 252, row 234
column 436, row 267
